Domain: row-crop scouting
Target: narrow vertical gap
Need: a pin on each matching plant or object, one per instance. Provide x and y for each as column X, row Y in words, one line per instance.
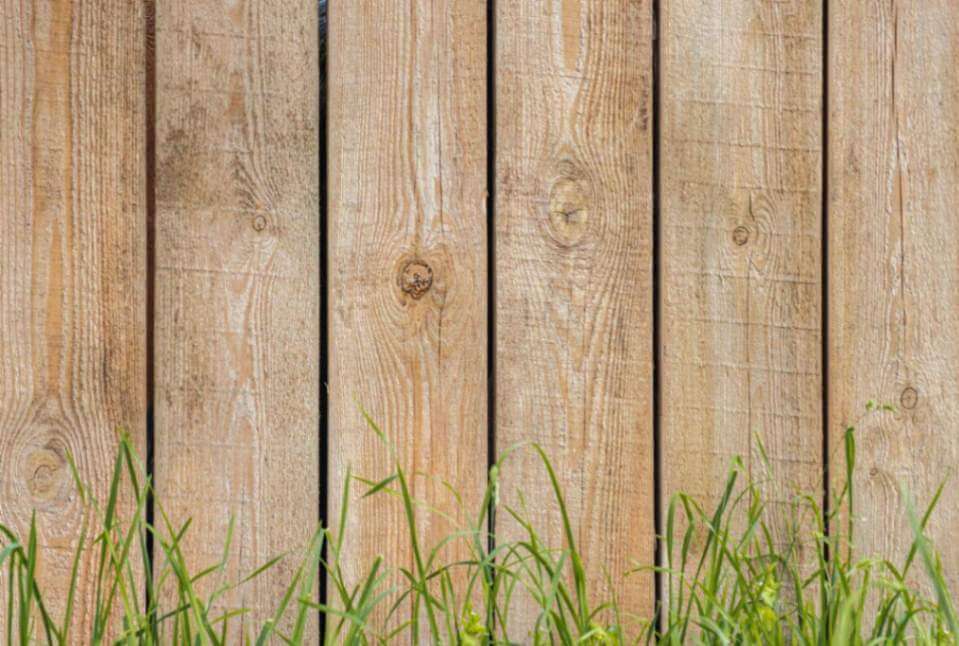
column 824, row 265
column 657, row 326
column 491, row 254
column 491, row 280
column 149, row 54
column 324, row 413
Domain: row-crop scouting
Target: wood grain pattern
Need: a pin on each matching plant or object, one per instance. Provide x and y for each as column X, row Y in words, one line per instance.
column 407, row 260
column 741, row 251
column 573, row 276
column 894, row 263
column 72, row 267
column 237, row 314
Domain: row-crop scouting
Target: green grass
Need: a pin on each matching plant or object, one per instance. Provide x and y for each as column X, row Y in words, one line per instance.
column 728, row 576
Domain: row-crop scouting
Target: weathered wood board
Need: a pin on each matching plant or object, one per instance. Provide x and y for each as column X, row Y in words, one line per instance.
column 72, row 268
column 894, row 264
column 407, row 263
column 237, row 283
column 740, row 228
column 573, row 254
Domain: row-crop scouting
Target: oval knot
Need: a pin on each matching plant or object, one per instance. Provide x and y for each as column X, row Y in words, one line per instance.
column 568, row 211
column 909, row 398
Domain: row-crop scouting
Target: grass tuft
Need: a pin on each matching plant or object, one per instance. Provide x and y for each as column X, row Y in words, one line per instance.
column 730, row 575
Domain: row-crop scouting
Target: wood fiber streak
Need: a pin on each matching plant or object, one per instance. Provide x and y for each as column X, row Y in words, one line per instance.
column 741, row 251
column 574, row 279
column 72, row 268
column 407, row 265
column 894, row 264
column 237, row 279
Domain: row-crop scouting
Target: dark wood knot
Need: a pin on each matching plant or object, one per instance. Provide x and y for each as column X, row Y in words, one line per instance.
column 416, row 278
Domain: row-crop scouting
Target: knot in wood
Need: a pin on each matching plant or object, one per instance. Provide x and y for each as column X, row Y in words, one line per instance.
column 416, row 278
column 569, row 210
column 909, row 398
column 740, row 235
column 259, row 223
column 45, row 470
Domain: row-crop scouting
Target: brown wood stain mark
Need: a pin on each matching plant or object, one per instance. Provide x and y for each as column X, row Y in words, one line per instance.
column 572, row 36
column 52, row 107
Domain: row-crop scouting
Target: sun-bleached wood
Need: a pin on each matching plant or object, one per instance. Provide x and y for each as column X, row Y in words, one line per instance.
column 407, row 263
column 72, row 269
column 894, row 264
column 741, row 253
column 237, row 283
column 574, row 278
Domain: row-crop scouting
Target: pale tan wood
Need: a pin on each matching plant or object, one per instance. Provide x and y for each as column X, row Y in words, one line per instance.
column 407, row 262
column 894, row 263
column 741, row 251
column 72, row 269
column 574, row 278
column 237, row 279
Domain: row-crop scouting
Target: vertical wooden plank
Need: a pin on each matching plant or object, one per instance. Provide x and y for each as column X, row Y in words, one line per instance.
column 741, row 252
column 573, row 275
column 237, row 315
column 72, row 267
column 894, row 262
column 407, row 259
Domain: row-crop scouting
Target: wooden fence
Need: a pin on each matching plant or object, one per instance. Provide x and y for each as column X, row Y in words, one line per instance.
column 640, row 233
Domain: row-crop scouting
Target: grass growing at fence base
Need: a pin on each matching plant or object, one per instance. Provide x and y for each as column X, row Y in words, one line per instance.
column 726, row 579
